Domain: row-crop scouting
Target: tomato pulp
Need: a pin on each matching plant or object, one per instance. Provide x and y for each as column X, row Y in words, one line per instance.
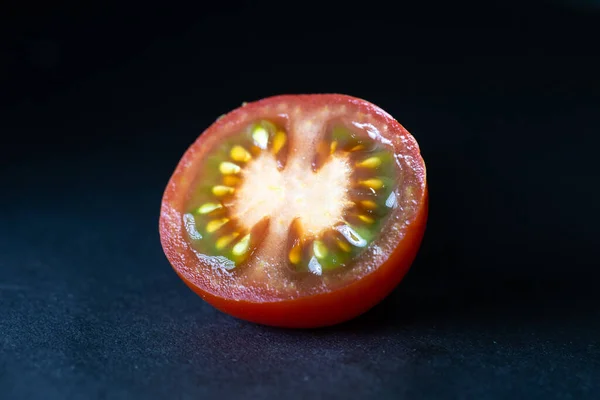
column 296, row 210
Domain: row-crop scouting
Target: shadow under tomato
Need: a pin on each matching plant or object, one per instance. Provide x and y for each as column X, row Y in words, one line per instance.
column 483, row 301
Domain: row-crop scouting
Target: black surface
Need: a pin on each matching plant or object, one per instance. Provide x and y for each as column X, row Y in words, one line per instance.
column 99, row 103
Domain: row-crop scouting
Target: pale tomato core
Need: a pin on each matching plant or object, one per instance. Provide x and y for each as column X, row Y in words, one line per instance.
column 317, row 198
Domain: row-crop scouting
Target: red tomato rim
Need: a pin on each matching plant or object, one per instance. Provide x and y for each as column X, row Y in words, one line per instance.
column 321, row 309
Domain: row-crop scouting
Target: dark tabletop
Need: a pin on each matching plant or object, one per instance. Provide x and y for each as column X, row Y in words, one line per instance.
column 99, row 103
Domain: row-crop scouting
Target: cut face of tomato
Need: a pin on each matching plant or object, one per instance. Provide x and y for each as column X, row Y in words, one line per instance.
column 296, row 211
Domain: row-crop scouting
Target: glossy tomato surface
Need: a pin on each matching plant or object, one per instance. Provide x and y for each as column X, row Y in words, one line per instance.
column 296, row 210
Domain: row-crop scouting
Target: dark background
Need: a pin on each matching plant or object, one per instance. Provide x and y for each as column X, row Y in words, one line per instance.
column 97, row 104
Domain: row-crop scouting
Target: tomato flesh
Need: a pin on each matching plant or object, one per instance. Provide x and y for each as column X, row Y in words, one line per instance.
column 297, row 210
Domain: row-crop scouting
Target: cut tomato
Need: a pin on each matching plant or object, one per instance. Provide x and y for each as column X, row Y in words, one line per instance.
column 296, row 210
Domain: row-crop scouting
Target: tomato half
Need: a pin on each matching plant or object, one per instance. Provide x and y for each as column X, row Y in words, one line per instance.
column 296, row 210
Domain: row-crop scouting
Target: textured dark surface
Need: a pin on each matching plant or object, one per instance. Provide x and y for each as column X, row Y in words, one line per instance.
column 500, row 303
column 91, row 309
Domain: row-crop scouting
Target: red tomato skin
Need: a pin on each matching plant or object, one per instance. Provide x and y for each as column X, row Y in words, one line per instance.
column 324, row 309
